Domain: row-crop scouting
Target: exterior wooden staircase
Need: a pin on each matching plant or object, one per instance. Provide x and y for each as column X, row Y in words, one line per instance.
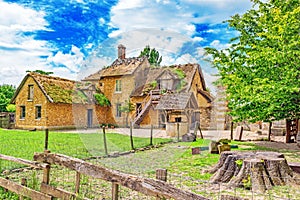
column 152, row 98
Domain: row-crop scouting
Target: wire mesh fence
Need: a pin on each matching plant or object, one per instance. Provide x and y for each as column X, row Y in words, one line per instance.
column 75, row 145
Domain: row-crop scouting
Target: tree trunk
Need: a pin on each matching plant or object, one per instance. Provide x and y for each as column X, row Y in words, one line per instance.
column 258, row 171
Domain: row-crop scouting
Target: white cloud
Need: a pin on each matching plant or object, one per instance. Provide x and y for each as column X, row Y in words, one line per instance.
column 200, row 52
column 176, row 16
column 198, row 39
column 102, row 21
column 151, row 14
column 128, row 4
column 18, row 52
column 163, row 41
column 218, row 45
column 71, row 60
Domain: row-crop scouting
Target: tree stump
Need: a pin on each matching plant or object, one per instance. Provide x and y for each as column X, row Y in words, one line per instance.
column 258, row 171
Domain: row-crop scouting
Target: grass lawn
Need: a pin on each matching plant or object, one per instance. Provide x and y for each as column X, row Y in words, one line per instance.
column 23, row 144
column 185, row 170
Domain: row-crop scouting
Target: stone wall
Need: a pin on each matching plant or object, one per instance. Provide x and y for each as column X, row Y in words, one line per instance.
column 39, row 99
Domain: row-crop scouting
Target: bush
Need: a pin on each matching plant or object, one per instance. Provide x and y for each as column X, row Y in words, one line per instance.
column 11, row 108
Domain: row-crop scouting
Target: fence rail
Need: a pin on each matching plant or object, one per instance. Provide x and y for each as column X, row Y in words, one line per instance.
column 150, row 187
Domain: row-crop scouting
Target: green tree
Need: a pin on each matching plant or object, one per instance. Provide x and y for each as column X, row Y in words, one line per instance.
column 40, row 72
column 260, row 70
column 127, row 108
column 152, row 55
column 6, row 93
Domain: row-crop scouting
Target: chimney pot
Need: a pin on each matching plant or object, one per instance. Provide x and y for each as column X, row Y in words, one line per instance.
column 121, row 51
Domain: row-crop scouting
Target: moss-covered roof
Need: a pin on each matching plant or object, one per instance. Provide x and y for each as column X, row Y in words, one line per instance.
column 119, row 67
column 56, row 89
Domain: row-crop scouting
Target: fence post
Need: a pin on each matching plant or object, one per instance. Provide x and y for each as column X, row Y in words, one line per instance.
column 115, row 191
column 151, row 134
column 24, row 183
column 177, row 132
column 77, row 183
column 46, row 138
column 231, row 131
column 131, row 139
column 46, row 174
column 104, row 140
column 161, row 174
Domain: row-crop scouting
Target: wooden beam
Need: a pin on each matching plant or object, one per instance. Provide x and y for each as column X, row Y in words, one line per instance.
column 23, row 190
column 145, row 186
column 58, row 193
column 23, row 161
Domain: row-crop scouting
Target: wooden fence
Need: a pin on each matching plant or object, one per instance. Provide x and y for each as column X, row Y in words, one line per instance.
column 149, row 187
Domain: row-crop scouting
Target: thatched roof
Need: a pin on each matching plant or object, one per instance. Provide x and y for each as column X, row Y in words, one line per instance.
column 189, row 71
column 56, row 89
column 177, row 101
column 119, row 67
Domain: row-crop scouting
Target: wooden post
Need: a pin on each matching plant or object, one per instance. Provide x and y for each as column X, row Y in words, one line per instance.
column 269, row 133
column 23, row 183
column 104, row 141
column 46, row 138
column 177, row 132
column 46, row 174
column 241, row 133
column 131, row 139
column 5, row 189
column 77, row 183
column 196, row 129
column 201, row 135
column 151, row 134
column 161, row 174
column 231, row 131
column 115, row 191
column 288, row 131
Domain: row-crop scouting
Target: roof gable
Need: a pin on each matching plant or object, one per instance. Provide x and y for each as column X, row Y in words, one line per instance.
column 119, row 67
column 56, row 89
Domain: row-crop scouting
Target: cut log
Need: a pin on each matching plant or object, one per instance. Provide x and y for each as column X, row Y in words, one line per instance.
column 258, row 171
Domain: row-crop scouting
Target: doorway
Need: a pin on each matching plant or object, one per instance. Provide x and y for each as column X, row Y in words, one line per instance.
column 90, row 118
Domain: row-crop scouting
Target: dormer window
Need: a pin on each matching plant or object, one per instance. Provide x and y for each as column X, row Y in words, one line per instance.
column 30, row 92
column 118, row 86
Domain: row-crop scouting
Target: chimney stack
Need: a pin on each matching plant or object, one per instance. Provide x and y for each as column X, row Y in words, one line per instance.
column 121, row 51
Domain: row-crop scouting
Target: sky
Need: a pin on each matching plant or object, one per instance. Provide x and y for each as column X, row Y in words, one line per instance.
column 74, row 38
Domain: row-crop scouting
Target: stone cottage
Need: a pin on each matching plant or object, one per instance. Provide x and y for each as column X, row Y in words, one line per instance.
column 44, row 101
column 134, row 80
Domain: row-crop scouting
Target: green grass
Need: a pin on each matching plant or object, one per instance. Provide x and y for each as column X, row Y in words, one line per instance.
column 23, row 144
column 175, row 157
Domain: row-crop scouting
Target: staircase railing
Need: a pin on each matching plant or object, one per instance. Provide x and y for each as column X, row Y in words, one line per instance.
column 140, row 112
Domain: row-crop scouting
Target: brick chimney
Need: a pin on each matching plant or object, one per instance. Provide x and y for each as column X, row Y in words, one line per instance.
column 121, row 51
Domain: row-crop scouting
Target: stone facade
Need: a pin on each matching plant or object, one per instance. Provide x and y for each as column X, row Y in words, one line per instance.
column 41, row 113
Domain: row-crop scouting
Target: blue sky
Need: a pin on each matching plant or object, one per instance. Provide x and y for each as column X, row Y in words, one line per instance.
column 74, row 38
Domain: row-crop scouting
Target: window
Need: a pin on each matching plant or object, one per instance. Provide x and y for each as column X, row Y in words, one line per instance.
column 177, row 119
column 118, row 111
column 38, row 112
column 23, row 111
column 30, row 92
column 118, row 86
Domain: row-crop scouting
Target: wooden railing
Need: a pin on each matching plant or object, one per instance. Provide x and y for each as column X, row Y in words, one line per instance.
column 149, row 187
column 153, row 95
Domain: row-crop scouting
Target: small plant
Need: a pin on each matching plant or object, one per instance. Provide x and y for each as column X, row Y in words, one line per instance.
column 11, row 108
column 247, row 182
column 101, row 99
column 239, row 163
column 179, row 72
